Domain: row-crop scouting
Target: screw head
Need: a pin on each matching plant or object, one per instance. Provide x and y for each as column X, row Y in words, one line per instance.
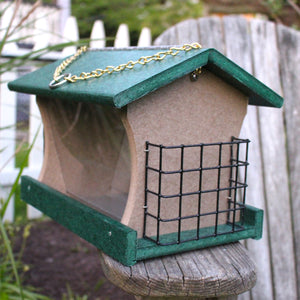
column 193, row 76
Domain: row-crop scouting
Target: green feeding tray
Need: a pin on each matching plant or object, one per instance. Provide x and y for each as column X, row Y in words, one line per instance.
column 142, row 163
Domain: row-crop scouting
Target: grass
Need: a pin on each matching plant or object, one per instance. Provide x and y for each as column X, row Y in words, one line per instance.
column 71, row 296
column 20, row 206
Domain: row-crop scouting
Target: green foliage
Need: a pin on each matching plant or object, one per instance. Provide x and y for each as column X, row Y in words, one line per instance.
column 11, row 266
column 155, row 14
column 275, row 6
column 20, row 208
column 71, row 296
column 21, row 154
column 20, row 159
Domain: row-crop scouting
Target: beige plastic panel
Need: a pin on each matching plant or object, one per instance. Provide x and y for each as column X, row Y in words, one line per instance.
column 184, row 112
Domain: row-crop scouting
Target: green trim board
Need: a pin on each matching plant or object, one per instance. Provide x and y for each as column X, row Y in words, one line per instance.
column 148, row 249
column 103, row 232
column 121, row 88
column 112, row 237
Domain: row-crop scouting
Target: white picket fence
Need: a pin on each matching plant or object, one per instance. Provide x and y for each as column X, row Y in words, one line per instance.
column 41, row 34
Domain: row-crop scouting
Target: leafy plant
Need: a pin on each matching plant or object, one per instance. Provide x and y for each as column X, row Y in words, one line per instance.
column 276, row 7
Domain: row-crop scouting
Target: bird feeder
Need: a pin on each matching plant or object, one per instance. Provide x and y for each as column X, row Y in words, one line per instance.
column 143, row 159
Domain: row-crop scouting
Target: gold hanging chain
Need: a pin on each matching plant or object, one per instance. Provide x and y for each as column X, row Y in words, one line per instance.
column 59, row 78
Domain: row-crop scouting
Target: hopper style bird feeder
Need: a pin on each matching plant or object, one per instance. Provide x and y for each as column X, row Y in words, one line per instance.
column 143, row 159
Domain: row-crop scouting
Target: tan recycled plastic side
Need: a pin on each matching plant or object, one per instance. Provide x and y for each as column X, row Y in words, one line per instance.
column 86, row 148
column 184, row 112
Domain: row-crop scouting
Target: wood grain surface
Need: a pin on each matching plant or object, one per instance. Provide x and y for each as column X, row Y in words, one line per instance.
column 208, row 273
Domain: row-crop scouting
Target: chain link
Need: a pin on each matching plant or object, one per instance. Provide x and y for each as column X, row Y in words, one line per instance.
column 59, row 78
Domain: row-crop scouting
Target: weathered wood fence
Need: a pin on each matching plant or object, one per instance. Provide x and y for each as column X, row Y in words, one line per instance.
column 15, row 108
column 272, row 53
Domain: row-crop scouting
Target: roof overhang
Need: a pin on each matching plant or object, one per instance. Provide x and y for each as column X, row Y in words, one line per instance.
column 120, row 88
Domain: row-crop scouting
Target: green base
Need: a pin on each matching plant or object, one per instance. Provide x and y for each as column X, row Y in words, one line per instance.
column 120, row 241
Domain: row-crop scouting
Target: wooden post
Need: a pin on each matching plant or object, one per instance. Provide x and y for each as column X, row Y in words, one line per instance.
column 70, row 34
column 220, row 272
column 42, row 35
column 7, row 137
column 8, row 103
column 145, row 37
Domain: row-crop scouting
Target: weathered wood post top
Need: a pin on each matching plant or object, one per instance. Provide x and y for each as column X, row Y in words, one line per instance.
column 142, row 150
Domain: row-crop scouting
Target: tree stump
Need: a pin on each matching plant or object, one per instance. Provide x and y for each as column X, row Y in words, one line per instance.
column 221, row 272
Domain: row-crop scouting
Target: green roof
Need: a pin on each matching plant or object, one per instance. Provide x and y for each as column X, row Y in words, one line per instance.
column 120, row 88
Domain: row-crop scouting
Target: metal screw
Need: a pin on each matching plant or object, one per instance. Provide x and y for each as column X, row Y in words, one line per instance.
column 195, row 74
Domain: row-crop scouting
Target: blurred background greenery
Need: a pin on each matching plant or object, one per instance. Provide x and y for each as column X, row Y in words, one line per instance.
column 162, row 14
column 155, row 14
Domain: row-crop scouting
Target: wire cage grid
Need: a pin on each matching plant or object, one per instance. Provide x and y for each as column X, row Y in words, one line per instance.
column 236, row 204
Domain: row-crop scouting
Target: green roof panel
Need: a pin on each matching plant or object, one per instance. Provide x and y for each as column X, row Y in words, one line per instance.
column 120, row 88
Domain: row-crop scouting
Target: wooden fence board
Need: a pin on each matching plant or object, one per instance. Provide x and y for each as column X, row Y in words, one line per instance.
column 289, row 47
column 98, row 35
column 187, row 32
column 210, row 33
column 70, row 34
column 238, row 41
column 266, row 69
column 122, row 37
column 169, row 37
column 238, row 48
column 145, row 38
